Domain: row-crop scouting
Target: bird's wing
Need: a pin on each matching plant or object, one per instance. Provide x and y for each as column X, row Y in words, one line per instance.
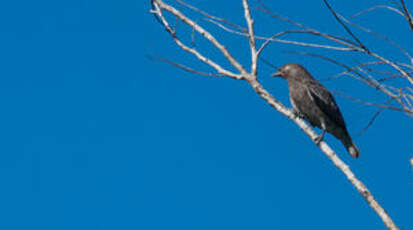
column 325, row 101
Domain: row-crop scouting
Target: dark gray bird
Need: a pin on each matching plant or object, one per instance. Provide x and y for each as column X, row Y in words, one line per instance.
column 312, row 101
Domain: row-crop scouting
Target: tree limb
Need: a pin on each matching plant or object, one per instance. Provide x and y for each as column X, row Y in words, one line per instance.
column 251, row 37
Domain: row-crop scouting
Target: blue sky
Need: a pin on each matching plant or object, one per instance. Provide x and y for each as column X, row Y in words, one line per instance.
column 93, row 135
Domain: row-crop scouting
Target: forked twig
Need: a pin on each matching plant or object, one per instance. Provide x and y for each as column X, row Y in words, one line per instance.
column 358, row 47
column 345, row 26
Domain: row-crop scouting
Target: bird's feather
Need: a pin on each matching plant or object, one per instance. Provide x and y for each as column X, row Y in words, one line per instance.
column 325, row 101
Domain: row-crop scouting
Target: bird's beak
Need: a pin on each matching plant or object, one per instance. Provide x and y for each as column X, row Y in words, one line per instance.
column 277, row 74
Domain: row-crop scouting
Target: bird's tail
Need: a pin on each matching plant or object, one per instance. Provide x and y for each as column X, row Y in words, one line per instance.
column 351, row 147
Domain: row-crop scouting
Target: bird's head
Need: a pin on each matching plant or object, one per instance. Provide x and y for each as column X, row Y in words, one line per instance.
column 291, row 71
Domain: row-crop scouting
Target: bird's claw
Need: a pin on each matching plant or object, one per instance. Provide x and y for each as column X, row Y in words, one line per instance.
column 297, row 113
column 318, row 140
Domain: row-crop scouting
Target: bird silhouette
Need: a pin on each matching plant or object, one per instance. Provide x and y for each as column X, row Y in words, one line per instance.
column 313, row 102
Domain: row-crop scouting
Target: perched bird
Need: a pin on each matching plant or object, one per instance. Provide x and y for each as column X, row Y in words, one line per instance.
column 313, row 102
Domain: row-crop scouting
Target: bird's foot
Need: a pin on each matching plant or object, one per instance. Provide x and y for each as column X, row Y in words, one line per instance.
column 297, row 113
column 320, row 138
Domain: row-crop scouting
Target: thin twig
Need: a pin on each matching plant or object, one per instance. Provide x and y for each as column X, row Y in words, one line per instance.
column 407, row 14
column 183, row 67
column 345, row 26
column 409, row 100
column 375, row 8
column 265, row 61
column 367, row 30
column 274, row 38
column 375, row 55
column 382, row 106
column 340, row 40
column 240, row 28
column 161, row 5
column 373, row 118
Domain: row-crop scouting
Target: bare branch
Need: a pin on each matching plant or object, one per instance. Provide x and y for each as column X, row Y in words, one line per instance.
column 274, row 38
column 349, row 69
column 337, row 39
column 381, row 106
column 279, row 34
column 161, row 5
column 367, row 30
column 376, row 114
column 306, row 44
column 377, row 56
column 409, row 100
column 402, row 12
column 269, row 40
column 407, row 14
column 372, row 120
column 251, row 37
column 344, row 26
column 220, row 25
column 355, row 47
column 240, row 28
column 394, row 65
column 183, row 67
column 377, row 7
column 268, row 63
column 390, row 74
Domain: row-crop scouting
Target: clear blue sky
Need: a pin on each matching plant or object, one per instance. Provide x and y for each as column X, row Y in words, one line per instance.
column 93, row 135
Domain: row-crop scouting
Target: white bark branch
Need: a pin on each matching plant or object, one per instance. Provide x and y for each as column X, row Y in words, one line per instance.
column 251, row 38
column 193, row 51
column 202, row 31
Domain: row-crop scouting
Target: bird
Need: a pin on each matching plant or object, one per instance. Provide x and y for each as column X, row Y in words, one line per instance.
column 314, row 103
